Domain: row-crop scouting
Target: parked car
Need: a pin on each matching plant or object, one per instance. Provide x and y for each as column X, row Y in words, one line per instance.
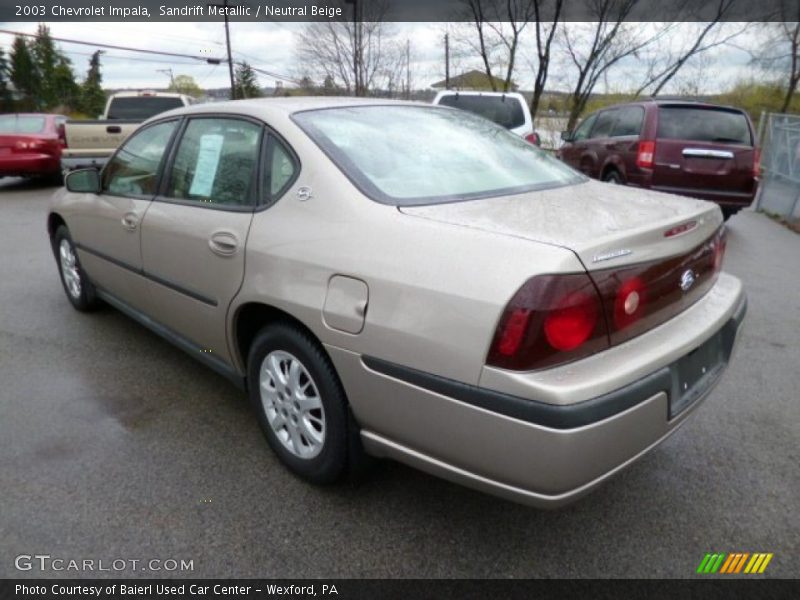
column 689, row 148
column 90, row 143
column 507, row 109
column 411, row 282
column 30, row 145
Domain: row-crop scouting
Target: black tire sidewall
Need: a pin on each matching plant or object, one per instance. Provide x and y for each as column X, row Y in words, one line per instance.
column 613, row 177
column 87, row 299
column 331, row 463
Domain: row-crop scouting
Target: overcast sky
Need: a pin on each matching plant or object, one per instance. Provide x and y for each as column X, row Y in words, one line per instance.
column 271, row 46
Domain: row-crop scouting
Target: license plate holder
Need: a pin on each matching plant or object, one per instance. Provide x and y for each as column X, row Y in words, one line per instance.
column 695, row 373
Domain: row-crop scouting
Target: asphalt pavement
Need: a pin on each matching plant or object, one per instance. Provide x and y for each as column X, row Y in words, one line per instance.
column 117, row 446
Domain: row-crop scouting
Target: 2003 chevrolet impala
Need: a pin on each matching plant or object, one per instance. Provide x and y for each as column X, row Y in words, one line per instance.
column 409, row 281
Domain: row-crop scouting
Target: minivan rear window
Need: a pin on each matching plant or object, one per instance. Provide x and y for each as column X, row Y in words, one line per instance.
column 703, row 125
column 141, row 107
column 506, row 111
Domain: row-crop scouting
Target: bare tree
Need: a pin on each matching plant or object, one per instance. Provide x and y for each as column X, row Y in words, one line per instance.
column 665, row 64
column 596, row 47
column 360, row 56
column 544, row 40
column 780, row 48
column 499, row 25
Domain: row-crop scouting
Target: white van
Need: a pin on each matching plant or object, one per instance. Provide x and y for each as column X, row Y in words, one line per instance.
column 508, row 109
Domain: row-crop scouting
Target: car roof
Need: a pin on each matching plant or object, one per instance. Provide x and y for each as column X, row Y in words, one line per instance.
column 284, row 106
column 675, row 101
column 478, row 93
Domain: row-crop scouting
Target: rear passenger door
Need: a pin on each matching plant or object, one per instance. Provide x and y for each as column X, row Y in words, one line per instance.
column 194, row 234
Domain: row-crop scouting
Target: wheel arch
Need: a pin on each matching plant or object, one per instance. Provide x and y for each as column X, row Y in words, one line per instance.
column 54, row 221
column 251, row 317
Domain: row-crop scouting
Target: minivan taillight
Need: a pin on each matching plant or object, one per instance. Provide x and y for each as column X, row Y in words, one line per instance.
column 645, row 156
column 552, row 319
column 756, row 162
column 533, row 138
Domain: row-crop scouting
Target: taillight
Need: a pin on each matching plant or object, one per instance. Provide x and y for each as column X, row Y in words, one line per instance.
column 62, row 135
column 555, row 319
column 533, row 138
column 552, row 319
column 645, row 156
column 756, row 162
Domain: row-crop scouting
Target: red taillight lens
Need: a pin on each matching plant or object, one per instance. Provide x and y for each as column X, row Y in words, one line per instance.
column 756, row 162
column 568, row 327
column 552, row 319
column 533, row 138
column 62, row 135
column 645, row 156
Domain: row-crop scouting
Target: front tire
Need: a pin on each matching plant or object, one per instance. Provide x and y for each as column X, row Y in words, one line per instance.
column 80, row 291
column 301, row 404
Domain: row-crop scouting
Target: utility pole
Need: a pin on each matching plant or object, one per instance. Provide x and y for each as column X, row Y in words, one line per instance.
column 447, row 61
column 224, row 6
column 171, row 76
column 408, row 69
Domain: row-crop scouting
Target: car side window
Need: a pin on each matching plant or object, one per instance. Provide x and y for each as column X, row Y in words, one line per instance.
column 629, row 121
column 133, row 171
column 582, row 132
column 279, row 169
column 215, row 162
column 604, row 124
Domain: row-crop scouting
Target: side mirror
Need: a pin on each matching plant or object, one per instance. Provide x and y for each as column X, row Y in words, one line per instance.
column 83, row 181
column 567, row 136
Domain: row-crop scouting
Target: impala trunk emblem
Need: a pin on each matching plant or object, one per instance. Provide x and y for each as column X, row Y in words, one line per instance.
column 687, row 280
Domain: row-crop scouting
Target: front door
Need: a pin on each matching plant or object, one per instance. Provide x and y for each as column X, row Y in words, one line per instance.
column 106, row 226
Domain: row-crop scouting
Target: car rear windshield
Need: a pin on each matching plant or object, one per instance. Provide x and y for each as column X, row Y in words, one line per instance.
column 506, row 111
column 406, row 155
column 21, row 124
column 141, row 107
column 703, row 125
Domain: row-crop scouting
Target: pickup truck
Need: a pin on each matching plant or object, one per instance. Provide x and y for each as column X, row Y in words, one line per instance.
column 90, row 143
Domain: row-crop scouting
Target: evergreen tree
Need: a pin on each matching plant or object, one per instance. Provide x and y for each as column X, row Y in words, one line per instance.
column 67, row 91
column 246, row 82
column 93, row 98
column 25, row 76
column 46, row 57
column 6, row 101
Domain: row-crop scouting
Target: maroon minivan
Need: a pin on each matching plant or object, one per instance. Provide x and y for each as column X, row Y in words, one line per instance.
column 677, row 146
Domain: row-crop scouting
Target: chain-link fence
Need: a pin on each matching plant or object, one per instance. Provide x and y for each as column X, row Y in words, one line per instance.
column 779, row 138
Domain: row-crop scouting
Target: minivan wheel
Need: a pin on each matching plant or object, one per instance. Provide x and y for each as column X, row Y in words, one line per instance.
column 613, row 177
column 80, row 291
column 300, row 402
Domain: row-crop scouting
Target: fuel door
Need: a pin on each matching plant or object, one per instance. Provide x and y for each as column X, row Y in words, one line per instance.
column 346, row 304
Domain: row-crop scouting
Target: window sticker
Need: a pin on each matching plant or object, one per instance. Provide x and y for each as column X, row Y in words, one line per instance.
column 205, row 170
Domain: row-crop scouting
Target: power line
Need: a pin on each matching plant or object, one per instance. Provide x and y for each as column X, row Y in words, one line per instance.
column 114, row 47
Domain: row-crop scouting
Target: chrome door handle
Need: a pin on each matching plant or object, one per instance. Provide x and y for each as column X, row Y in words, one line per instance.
column 223, row 243
column 130, row 221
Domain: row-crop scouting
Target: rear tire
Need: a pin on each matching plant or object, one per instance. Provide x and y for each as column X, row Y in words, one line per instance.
column 614, row 177
column 80, row 291
column 301, row 404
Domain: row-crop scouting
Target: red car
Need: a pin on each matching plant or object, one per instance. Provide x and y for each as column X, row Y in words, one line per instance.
column 30, row 145
column 676, row 146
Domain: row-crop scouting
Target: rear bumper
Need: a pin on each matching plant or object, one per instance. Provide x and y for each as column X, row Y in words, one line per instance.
column 728, row 198
column 537, row 453
column 70, row 163
column 28, row 164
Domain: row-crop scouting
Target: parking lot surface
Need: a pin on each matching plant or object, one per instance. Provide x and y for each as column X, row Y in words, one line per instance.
column 116, row 445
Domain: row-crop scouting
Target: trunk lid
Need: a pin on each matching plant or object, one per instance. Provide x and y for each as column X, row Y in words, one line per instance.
column 605, row 225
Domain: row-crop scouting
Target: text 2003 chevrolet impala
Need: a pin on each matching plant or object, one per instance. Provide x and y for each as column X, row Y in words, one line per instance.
column 409, row 280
